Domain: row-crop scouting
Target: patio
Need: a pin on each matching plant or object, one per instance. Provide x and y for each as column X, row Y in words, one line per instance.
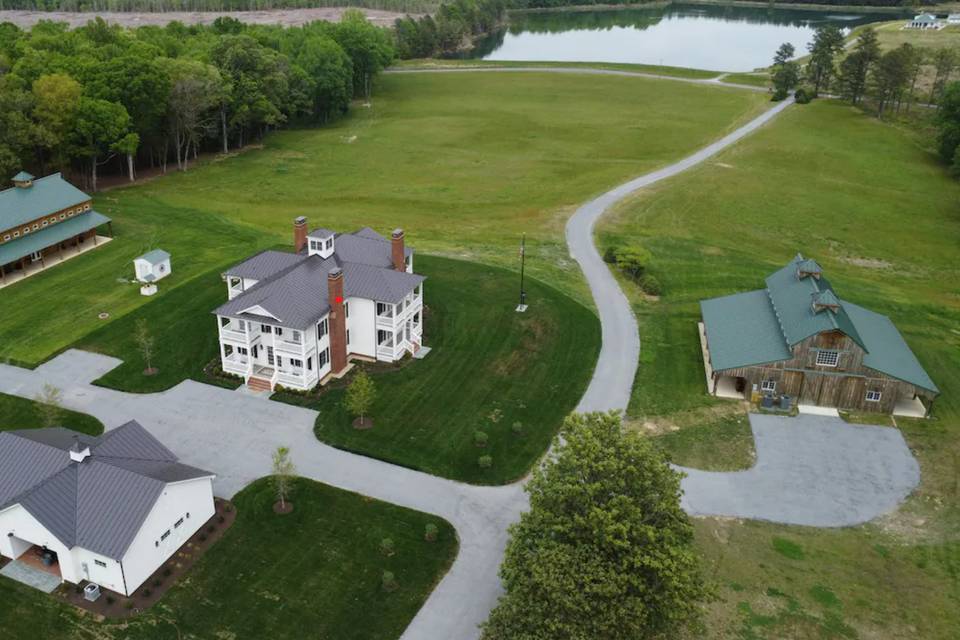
column 33, row 268
column 29, row 570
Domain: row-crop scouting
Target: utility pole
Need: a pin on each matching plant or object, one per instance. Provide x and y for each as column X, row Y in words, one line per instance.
column 523, row 259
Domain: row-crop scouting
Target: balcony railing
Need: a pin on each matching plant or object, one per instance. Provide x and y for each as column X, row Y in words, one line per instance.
column 233, row 334
column 235, row 364
column 286, row 346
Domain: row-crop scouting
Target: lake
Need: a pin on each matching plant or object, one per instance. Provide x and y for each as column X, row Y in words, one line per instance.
column 721, row 38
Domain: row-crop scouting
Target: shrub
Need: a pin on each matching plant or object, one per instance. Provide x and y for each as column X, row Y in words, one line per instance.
column 211, row 529
column 610, row 255
column 128, row 605
column 203, row 537
column 517, row 427
column 227, row 508
column 485, row 462
column 650, row 285
column 430, row 532
column 146, row 593
column 388, row 581
column 633, row 260
column 387, row 547
column 804, row 95
column 77, row 589
column 495, row 416
column 166, row 572
column 110, row 600
column 779, row 95
column 156, row 583
column 480, row 438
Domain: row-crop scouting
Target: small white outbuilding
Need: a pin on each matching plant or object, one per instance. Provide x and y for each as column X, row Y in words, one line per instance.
column 152, row 266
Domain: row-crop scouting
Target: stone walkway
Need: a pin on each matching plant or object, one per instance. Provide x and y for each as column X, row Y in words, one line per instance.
column 25, row 574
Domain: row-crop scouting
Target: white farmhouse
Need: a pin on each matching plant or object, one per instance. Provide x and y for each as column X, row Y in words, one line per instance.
column 152, row 266
column 296, row 319
column 925, row 21
column 109, row 509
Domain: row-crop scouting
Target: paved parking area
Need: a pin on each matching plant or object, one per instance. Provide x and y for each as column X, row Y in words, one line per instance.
column 811, row 470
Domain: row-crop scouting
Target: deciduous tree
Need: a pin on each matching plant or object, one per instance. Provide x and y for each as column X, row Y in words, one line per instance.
column 283, row 471
column 360, row 396
column 856, row 67
column 605, row 550
column 827, row 43
column 785, row 73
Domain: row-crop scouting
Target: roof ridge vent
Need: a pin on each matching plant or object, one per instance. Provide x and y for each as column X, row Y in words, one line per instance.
column 78, row 450
column 826, row 300
column 809, row 267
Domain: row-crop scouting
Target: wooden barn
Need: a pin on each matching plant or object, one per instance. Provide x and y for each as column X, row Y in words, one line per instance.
column 796, row 337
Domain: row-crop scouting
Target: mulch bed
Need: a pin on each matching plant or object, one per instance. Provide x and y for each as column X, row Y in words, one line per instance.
column 115, row 606
column 286, row 508
column 364, row 424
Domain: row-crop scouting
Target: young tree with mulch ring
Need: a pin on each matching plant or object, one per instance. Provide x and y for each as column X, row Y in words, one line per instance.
column 49, row 406
column 145, row 343
column 283, row 476
column 359, row 398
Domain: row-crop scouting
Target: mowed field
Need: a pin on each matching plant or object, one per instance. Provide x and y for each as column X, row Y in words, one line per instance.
column 871, row 203
column 465, row 163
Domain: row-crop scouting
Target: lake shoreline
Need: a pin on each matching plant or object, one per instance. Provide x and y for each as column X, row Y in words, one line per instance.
column 720, row 3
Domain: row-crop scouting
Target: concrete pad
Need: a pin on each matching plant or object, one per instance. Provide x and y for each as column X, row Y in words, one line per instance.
column 25, row 574
column 910, row 408
column 814, row 410
column 422, row 353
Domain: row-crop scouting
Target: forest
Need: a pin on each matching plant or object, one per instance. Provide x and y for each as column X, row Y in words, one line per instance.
column 102, row 95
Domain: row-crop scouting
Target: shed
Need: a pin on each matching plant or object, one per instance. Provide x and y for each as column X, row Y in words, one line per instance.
column 152, row 266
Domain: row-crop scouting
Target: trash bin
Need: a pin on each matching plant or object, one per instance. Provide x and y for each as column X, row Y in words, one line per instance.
column 785, row 402
column 91, row 592
column 767, row 402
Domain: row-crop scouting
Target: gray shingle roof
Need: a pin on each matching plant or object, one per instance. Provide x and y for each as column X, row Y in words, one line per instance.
column 155, row 257
column 293, row 287
column 49, row 236
column 47, row 195
column 762, row 326
column 98, row 504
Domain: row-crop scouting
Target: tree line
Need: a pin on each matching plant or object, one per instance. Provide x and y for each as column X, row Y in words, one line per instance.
column 453, row 27
column 886, row 83
column 415, row 6
column 547, row 4
column 79, row 99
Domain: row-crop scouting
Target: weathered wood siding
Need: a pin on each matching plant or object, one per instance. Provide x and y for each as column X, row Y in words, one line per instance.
column 844, row 386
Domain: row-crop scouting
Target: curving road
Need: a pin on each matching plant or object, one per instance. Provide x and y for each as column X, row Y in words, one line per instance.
column 234, row 434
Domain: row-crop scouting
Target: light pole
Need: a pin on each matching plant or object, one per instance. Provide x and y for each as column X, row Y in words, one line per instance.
column 523, row 259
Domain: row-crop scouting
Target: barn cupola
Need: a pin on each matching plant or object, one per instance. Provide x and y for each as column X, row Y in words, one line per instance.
column 22, row 180
column 320, row 242
column 826, row 300
column 809, row 268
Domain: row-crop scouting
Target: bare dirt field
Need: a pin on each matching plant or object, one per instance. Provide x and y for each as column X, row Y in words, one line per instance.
column 286, row 17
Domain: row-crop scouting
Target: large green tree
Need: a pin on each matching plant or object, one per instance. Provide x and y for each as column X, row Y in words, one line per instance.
column 605, row 550
column 785, row 73
column 369, row 47
column 856, row 67
column 948, row 121
column 98, row 126
column 56, row 98
column 826, row 44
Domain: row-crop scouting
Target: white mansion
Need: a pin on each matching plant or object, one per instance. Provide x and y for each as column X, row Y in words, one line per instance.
column 296, row 319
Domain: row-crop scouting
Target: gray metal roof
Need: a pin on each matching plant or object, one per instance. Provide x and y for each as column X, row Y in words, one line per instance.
column 292, row 287
column 49, row 236
column 320, row 232
column 155, row 257
column 47, row 195
column 98, row 504
column 742, row 330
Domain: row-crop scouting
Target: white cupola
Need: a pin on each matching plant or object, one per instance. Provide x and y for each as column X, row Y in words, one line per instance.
column 320, row 242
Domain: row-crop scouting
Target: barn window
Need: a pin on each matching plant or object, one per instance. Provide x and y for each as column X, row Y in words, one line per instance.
column 873, row 396
column 100, row 563
column 768, row 385
column 828, row 358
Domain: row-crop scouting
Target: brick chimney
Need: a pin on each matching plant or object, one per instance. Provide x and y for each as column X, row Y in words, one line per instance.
column 337, row 321
column 399, row 257
column 299, row 234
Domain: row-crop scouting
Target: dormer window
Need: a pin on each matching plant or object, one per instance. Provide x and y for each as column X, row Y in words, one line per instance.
column 320, row 243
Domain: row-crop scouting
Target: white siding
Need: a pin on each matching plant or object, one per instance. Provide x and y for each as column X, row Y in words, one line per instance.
column 362, row 327
column 20, row 523
column 147, row 552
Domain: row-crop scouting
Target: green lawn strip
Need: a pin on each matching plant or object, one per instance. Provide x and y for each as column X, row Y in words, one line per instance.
column 182, row 327
column 315, row 571
column 721, row 444
column 489, row 367
column 872, row 204
column 753, row 79
column 21, row 413
column 463, row 179
column 678, row 72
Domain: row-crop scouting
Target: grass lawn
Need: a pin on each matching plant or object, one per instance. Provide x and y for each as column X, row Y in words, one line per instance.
column 754, row 79
column 318, row 568
column 464, row 178
column 873, row 205
column 489, row 367
column 21, row 413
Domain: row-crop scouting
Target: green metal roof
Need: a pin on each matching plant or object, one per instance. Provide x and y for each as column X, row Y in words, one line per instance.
column 792, row 299
column 887, row 351
column 742, row 330
column 23, row 176
column 47, row 195
column 762, row 326
column 55, row 233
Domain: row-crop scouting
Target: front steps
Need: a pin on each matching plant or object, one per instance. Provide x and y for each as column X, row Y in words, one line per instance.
column 259, row 384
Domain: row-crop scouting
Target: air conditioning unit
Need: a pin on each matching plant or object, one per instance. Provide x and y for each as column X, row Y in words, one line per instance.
column 91, row 592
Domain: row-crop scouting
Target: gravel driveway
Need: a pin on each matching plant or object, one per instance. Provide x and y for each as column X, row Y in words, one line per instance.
column 811, row 470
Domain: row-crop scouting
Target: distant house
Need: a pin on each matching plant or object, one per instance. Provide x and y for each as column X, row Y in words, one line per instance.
column 296, row 319
column 42, row 222
column 953, row 18
column 797, row 337
column 925, row 21
column 109, row 509
column 152, row 266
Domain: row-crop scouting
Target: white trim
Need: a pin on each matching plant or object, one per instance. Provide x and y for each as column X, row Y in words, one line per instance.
column 877, row 396
column 260, row 311
column 828, row 358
